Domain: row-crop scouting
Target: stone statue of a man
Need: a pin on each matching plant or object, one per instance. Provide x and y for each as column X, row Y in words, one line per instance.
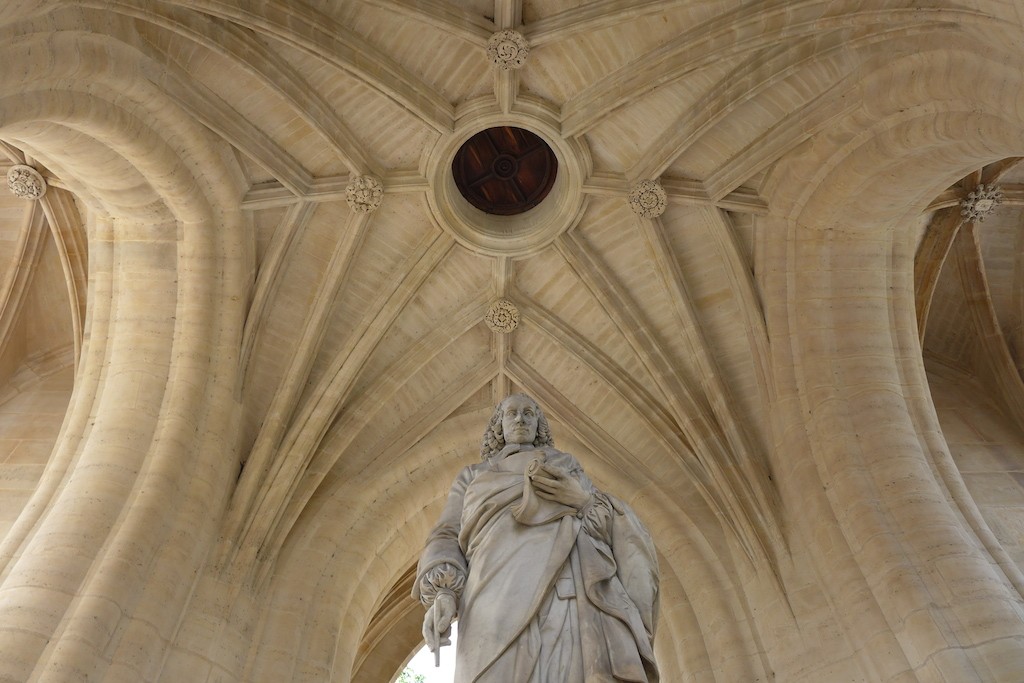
column 552, row 580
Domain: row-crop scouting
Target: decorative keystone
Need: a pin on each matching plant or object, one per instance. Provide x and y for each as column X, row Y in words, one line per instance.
column 508, row 49
column 980, row 203
column 647, row 199
column 502, row 316
column 26, row 182
column 364, row 193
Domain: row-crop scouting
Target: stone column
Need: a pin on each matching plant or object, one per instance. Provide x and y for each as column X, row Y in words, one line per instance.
column 917, row 594
column 100, row 579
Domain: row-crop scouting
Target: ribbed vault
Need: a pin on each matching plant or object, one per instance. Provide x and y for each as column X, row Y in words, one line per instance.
column 348, row 350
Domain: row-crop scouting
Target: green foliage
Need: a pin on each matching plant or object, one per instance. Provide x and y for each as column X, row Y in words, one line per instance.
column 410, row 676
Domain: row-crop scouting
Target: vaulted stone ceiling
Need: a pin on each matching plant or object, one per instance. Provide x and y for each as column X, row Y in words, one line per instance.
column 365, row 370
column 973, row 324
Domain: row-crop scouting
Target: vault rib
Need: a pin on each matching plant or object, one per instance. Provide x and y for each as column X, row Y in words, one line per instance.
column 243, row 49
column 943, row 229
column 73, row 252
column 994, row 172
column 387, row 451
column 751, row 77
column 363, row 407
column 195, row 99
column 210, row 110
column 501, row 344
column 269, row 279
column 262, row 467
column 319, row 35
column 680, row 190
column 592, row 17
column 729, row 35
column 613, row 300
column 621, row 382
column 703, row 436
column 931, row 255
column 327, row 189
column 263, row 494
column 709, row 376
column 506, row 88
column 508, row 15
column 741, row 277
column 14, row 155
column 785, row 135
column 739, row 444
column 707, row 111
column 1013, row 195
column 1001, row 366
column 19, row 278
column 216, row 115
column 448, row 17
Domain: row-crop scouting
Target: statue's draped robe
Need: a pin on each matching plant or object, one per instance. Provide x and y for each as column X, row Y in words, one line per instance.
column 554, row 598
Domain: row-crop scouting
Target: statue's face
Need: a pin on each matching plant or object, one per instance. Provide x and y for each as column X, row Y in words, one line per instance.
column 519, row 419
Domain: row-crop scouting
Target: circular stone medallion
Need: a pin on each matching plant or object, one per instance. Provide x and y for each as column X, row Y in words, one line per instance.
column 25, row 182
column 504, row 171
column 502, row 316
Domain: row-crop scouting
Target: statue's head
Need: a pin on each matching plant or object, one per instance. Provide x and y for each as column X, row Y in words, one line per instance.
column 517, row 419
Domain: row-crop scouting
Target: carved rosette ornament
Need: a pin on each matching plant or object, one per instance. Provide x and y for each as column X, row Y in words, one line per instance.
column 364, row 193
column 26, row 182
column 647, row 199
column 508, row 49
column 980, row 203
column 502, row 316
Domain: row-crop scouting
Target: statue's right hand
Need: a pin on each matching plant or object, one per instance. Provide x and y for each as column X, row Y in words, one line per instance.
column 437, row 622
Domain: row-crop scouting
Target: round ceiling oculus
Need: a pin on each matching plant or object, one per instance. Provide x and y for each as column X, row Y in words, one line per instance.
column 506, row 183
column 504, row 171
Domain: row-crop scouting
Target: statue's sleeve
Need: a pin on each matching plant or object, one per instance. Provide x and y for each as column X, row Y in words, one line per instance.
column 442, row 566
column 597, row 517
column 597, row 514
column 637, row 562
column 617, row 556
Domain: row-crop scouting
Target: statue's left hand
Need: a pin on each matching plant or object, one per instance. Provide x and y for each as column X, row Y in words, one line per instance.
column 552, row 483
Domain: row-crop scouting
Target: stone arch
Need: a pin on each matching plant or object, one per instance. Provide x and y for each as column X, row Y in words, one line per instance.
column 150, row 216
column 376, row 533
column 922, row 123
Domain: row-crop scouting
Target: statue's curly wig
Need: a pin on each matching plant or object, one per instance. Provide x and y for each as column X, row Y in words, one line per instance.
column 494, row 439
